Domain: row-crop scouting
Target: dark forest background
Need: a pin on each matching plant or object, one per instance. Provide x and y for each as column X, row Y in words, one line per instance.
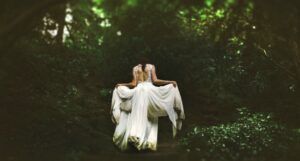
column 236, row 62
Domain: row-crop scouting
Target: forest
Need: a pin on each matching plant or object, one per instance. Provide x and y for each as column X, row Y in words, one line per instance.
column 236, row 62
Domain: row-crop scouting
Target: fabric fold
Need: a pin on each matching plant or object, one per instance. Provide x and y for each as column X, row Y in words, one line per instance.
column 136, row 111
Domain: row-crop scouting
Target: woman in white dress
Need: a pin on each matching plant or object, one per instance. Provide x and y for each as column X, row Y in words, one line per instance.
column 135, row 111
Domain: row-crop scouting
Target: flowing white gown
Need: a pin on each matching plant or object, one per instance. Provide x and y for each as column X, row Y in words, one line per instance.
column 135, row 112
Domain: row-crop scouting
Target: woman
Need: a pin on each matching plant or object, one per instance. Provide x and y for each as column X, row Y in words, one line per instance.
column 135, row 111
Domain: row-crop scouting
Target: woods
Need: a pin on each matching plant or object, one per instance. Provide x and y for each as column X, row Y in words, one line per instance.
column 60, row 60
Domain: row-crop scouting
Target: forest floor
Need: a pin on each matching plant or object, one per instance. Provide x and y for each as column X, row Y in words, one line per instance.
column 27, row 139
column 28, row 136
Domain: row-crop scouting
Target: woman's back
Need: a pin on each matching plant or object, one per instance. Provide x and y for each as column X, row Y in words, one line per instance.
column 142, row 75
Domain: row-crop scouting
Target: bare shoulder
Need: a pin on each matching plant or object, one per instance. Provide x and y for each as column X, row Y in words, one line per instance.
column 135, row 67
column 150, row 65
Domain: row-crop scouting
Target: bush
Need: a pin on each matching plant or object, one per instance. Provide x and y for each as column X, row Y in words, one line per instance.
column 254, row 136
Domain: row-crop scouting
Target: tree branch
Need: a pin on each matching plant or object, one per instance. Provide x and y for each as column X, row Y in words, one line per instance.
column 278, row 65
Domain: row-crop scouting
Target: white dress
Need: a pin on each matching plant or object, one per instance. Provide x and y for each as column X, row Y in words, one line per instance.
column 135, row 112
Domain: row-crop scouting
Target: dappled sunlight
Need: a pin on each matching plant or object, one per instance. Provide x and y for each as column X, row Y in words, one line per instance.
column 60, row 61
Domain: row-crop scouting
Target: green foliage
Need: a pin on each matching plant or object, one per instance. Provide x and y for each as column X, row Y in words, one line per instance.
column 220, row 52
column 254, row 136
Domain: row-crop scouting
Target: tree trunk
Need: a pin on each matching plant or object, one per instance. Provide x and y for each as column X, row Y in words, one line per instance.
column 61, row 24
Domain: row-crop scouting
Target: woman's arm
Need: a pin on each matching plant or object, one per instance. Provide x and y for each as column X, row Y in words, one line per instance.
column 132, row 83
column 160, row 81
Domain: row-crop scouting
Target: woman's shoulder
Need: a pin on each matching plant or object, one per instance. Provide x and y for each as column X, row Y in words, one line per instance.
column 136, row 67
column 151, row 66
column 139, row 65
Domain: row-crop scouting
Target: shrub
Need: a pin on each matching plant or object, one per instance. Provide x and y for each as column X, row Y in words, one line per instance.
column 253, row 136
